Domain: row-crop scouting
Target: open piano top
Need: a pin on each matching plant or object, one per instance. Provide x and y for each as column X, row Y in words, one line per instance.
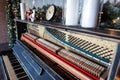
column 73, row 61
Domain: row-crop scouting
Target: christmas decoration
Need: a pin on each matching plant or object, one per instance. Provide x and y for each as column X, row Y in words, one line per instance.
column 40, row 14
column 16, row 8
column 10, row 15
column 11, row 32
column 29, row 12
column 12, row 10
column 111, row 16
column 43, row 12
column 33, row 17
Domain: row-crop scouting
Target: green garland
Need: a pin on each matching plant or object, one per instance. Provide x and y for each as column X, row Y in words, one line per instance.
column 16, row 8
column 12, row 10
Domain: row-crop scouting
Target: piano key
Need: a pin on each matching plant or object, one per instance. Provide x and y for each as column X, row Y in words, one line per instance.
column 10, row 70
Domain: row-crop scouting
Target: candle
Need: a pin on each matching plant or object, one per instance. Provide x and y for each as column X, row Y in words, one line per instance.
column 71, row 12
column 89, row 15
column 22, row 11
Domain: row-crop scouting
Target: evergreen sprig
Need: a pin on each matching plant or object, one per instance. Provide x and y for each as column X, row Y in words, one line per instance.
column 12, row 11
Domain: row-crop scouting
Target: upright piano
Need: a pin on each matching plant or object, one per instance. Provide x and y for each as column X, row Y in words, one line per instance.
column 45, row 51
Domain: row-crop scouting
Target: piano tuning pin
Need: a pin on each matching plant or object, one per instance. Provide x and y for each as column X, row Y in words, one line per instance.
column 98, row 50
column 70, row 40
column 106, row 54
column 77, row 44
column 109, row 54
column 62, row 35
column 82, row 43
column 76, row 41
column 69, row 36
column 89, row 46
column 109, row 57
column 97, row 47
column 92, row 47
column 103, row 52
column 80, row 40
column 85, row 43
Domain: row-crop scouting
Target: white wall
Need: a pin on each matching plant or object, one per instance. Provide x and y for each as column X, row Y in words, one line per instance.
column 40, row 3
column 114, row 1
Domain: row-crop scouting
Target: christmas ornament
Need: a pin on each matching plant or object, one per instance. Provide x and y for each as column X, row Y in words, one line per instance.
column 33, row 16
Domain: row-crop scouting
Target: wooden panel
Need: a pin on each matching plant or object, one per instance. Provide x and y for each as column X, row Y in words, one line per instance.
column 3, row 26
